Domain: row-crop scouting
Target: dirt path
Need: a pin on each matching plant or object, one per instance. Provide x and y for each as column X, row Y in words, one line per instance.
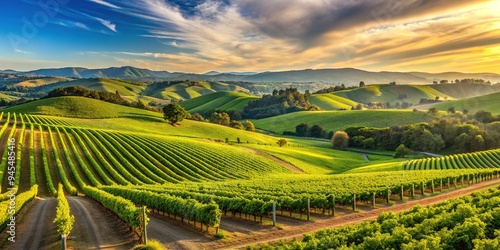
column 275, row 159
column 173, row 235
column 291, row 232
column 35, row 229
column 96, row 228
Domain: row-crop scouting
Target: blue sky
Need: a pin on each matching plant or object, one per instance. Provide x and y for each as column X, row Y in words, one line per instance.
column 242, row 35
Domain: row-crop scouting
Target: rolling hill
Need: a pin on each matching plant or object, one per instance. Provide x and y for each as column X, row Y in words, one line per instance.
column 222, row 101
column 331, row 101
column 189, row 89
column 413, row 93
column 339, row 120
column 100, row 84
column 486, row 102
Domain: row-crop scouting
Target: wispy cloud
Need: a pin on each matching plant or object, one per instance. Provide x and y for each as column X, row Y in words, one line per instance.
column 293, row 34
column 22, row 51
column 72, row 24
column 107, row 23
column 101, row 2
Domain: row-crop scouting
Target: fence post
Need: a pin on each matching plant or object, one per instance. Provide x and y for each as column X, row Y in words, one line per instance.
column 354, row 202
column 308, row 208
column 274, row 213
column 144, row 225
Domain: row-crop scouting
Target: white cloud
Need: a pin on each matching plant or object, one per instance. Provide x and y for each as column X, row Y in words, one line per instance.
column 107, row 23
column 22, row 51
column 105, row 4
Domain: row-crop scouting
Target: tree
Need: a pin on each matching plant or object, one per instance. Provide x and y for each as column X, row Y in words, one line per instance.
column 220, row 118
column 451, row 110
column 401, row 151
column 282, row 142
column 249, row 126
column 301, row 129
column 433, row 111
column 340, row 140
column 361, row 84
column 316, row 131
column 174, row 113
column 237, row 125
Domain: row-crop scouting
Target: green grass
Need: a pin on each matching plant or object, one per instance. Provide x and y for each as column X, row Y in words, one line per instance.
column 80, row 107
column 8, row 97
column 389, row 93
column 486, row 102
column 218, row 101
column 41, row 81
column 100, row 84
column 183, row 91
column 331, row 102
column 339, row 120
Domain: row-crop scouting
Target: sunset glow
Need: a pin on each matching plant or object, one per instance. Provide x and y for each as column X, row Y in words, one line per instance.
column 238, row 35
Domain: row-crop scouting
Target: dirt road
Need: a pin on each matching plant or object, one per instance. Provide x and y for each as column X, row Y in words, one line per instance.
column 35, row 229
column 96, row 228
column 290, row 233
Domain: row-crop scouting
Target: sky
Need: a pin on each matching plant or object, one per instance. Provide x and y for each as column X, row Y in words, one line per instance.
column 252, row 36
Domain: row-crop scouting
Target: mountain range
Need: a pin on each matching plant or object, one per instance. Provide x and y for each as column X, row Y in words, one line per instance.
column 347, row 76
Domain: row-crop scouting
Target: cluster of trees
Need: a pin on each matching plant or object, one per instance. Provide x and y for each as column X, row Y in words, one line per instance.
column 336, row 88
column 464, row 81
column 304, row 130
column 224, row 119
column 482, row 134
column 103, row 96
column 280, row 102
column 175, row 113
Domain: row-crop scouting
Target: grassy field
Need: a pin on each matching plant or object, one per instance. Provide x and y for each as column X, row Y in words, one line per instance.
column 186, row 90
column 41, row 81
column 391, row 94
column 331, row 102
column 486, row 102
column 218, row 101
column 79, row 107
column 339, row 120
column 125, row 89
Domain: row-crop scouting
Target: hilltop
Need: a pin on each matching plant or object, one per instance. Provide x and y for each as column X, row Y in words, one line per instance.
column 485, row 102
column 222, row 101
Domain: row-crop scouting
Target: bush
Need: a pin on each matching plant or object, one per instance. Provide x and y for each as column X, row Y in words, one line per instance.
column 152, row 245
column 340, row 140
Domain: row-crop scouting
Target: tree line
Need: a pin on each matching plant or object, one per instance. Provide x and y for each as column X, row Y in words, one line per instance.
column 480, row 131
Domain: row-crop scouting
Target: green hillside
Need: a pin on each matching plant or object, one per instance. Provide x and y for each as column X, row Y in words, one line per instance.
column 189, row 89
column 339, row 120
column 473, row 104
column 392, row 94
column 331, row 102
column 41, row 81
column 462, row 91
column 218, row 101
column 8, row 97
column 80, row 107
column 125, row 89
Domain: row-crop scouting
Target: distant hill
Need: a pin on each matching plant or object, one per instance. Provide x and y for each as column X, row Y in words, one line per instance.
column 222, row 101
column 348, row 76
column 188, row 89
column 474, row 104
column 331, row 101
column 413, row 93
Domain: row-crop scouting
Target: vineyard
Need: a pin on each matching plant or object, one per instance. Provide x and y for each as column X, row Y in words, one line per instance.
column 203, row 181
column 477, row 160
column 470, row 222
